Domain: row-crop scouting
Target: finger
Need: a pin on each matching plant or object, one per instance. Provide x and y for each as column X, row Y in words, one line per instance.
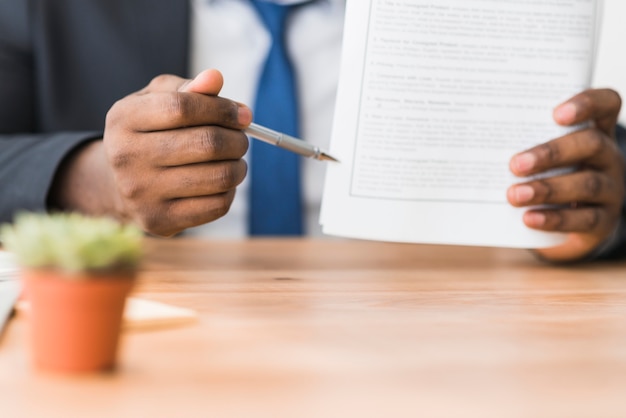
column 172, row 110
column 176, row 215
column 199, row 210
column 194, row 145
column 200, row 179
column 592, row 220
column 209, row 82
column 185, row 181
column 599, row 105
column 588, row 186
column 164, row 83
column 589, row 146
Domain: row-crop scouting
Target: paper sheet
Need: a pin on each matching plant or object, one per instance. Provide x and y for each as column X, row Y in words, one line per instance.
column 434, row 99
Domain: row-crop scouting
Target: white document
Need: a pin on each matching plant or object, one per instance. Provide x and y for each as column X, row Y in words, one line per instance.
column 8, row 266
column 10, row 286
column 435, row 97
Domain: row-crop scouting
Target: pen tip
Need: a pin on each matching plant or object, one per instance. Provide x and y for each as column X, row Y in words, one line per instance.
column 324, row 156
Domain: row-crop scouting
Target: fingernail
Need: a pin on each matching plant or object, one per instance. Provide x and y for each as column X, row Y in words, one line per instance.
column 185, row 86
column 523, row 194
column 535, row 219
column 524, row 163
column 244, row 115
column 565, row 114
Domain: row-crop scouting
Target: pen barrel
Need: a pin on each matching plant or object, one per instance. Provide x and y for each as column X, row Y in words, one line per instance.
column 299, row 146
column 283, row 141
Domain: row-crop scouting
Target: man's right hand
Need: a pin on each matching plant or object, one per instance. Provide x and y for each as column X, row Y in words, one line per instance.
column 170, row 159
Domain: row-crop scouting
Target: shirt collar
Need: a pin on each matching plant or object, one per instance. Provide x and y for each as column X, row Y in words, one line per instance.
column 287, row 1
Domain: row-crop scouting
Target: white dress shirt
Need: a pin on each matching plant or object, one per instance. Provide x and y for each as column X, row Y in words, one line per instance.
column 228, row 35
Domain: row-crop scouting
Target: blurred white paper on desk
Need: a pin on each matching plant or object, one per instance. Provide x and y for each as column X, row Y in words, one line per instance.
column 143, row 313
column 435, row 97
column 8, row 267
column 9, row 293
column 10, row 287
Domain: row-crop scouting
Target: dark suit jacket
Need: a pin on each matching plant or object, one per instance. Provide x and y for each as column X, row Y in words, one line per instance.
column 63, row 63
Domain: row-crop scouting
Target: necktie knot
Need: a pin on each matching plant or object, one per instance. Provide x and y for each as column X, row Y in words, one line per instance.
column 273, row 16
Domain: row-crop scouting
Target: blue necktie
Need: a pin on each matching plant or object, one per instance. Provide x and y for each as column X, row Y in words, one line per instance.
column 275, row 197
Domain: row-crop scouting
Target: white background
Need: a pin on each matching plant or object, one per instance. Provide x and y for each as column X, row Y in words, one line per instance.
column 611, row 66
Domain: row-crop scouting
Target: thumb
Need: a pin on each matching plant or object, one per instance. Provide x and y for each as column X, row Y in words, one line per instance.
column 208, row 82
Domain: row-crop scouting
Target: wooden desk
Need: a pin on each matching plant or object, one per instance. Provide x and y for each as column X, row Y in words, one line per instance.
column 352, row 329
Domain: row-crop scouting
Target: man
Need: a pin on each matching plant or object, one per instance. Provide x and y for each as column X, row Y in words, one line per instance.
column 169, row 157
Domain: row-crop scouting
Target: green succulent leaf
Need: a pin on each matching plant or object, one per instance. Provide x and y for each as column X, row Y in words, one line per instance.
column 72, row 242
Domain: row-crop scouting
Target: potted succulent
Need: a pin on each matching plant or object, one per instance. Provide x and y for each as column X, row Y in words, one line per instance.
column 77, row 272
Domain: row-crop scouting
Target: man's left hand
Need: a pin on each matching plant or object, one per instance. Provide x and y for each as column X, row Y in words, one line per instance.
column 586, row 202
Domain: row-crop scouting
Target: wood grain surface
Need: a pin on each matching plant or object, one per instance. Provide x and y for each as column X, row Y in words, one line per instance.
column 333, row 328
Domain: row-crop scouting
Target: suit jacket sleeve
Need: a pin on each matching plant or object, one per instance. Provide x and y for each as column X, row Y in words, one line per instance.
column 28, row 158
column 63, row 64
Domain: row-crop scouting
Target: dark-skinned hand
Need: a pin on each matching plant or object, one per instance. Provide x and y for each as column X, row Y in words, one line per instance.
column 589, row 198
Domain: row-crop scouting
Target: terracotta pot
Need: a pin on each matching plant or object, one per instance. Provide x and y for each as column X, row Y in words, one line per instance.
column 75, row 321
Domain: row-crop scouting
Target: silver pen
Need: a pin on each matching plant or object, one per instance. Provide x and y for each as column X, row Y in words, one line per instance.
column 287, row 142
